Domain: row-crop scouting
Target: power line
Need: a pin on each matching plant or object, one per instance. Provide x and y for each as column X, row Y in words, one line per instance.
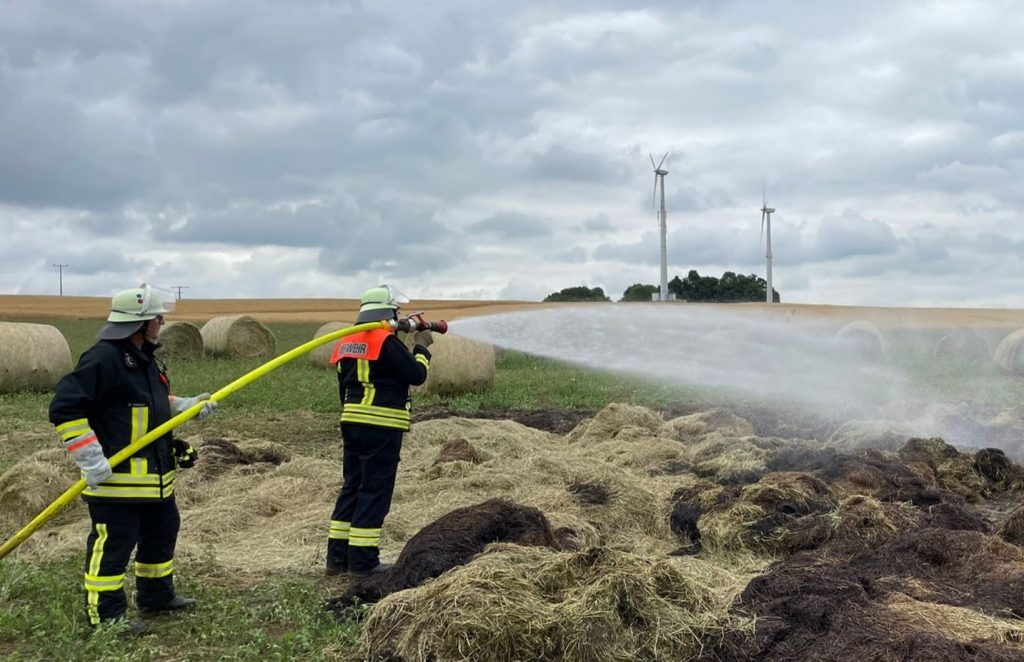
column 60, row 276
column 179, row 288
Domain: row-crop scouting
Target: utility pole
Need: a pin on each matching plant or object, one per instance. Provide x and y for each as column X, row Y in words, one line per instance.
column 60, row 276
column 179, row 288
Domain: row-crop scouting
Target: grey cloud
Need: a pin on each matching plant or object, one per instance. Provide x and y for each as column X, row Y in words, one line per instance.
column 850, row 234
column 599, row 223
column 562, row 163
column 53, row 155
column 511, row 225
column 379, row 120
column 574, row 255
column 307, row 225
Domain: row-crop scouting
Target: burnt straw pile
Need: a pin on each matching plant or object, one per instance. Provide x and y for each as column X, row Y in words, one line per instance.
column 697, row 535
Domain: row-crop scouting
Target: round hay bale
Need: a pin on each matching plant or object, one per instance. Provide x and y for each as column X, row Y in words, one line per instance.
column 321, row 356
column 459, row 365
column 862, row 340
column 963, row 347
column 238, row 337
column 180, row 340
column 1009, row 354
column 33, row 357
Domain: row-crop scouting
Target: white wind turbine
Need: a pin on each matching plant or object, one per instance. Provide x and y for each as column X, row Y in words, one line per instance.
column 659, row 174
column 766, row 237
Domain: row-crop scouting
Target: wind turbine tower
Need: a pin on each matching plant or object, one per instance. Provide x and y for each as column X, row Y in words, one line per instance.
column 659, row 175
column 766, row 235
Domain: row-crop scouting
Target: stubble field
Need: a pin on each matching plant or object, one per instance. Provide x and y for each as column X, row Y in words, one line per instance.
column 742, row 531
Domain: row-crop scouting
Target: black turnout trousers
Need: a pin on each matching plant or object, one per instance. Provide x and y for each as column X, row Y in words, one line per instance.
column 117, row 529
column 370, row 464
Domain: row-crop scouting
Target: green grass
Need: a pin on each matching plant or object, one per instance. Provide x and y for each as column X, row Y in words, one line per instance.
column 280, row 618
column 522, row 382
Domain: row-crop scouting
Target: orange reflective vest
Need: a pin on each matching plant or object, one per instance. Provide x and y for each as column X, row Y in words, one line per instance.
column 365, row 345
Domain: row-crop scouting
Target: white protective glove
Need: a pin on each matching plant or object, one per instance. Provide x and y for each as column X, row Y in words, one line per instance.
column 179, row 404
column 87, row 453
column 424, row 338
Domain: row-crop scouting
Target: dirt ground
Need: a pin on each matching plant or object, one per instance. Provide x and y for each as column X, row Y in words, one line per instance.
column 14, row 307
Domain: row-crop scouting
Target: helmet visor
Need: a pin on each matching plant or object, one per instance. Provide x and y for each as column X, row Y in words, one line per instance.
column 395, row 297
column 156, row 300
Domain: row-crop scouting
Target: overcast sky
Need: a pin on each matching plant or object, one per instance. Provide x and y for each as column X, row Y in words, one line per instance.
column 500, row 150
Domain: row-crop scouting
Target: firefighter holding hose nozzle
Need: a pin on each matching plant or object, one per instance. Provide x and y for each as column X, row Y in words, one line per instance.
column 375, row 371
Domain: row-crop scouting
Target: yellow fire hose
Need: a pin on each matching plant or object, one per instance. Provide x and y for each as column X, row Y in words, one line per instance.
column 154, row 434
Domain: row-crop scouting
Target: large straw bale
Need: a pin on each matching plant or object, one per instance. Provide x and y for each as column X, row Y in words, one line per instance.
column 34, row 483
column 33, row 357
column 1009, row 354
column 521, row 603
column 180, row 340
column 861, row 340
column 321, row 356
column 238, row 336
column 459, row 365
column 966, row 347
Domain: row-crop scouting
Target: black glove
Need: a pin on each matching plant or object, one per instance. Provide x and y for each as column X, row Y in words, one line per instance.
column 185, row 454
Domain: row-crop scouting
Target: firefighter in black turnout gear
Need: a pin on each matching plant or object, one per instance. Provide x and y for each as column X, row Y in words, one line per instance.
column 117, row 393
column 375, row 371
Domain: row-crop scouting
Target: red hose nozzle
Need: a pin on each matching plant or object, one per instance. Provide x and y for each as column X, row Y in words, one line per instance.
column 415, row 323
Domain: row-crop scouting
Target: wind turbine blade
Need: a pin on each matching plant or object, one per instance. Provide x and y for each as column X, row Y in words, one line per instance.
column 654, row 194
column 764, row 195
column 762, row 228
column 652, row 161
column 662, row 161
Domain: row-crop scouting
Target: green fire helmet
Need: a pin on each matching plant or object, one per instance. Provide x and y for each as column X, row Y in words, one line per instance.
column 139, row 304
column 380, row 303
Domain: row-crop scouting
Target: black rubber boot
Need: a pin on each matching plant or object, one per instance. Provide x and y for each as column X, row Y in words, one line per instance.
column 129, row 629
column 178, row 603
column 375, row 570
column 335, row 569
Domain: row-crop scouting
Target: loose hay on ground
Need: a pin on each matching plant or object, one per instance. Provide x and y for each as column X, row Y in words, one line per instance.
column 514, row 602
column 33, row 484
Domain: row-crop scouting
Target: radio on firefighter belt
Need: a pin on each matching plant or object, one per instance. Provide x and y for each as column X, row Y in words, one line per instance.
column 415, row 322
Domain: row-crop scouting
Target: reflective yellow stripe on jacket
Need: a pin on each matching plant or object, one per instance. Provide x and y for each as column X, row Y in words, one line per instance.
column 383, row 417
column 72, row 429
column 138, row 482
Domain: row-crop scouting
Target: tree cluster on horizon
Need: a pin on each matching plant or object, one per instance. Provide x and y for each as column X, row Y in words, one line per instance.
column 730, row 288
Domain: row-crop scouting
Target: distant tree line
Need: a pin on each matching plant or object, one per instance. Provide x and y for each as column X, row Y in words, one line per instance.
column 580, row 293
column 730, row 288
